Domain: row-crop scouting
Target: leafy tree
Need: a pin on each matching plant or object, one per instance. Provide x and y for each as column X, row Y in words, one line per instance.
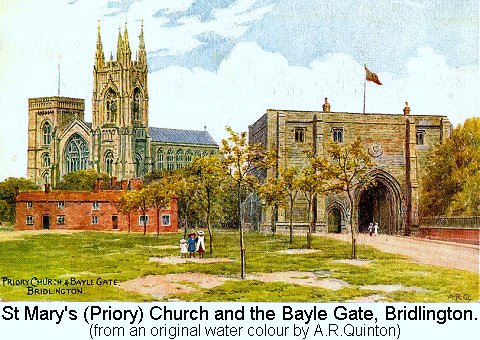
column 8, row 189
column 158, row 195
column 127, row 204
column 209, row 174
column 273, row 195
column 313, row 181
column 82, row 180
column 136, row 200
column 289, row 181
column 450, row 184
column 347, row 167
column 243, row 160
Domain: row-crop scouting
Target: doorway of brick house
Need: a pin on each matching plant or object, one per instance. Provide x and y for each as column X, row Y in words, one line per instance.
column 46, row 221
column 115, row 222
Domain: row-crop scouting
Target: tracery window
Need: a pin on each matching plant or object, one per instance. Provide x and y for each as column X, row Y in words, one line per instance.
column 170, row 160
column 138, row 166
column 111, row 106
column 76, row 153
column 188, row 156
column 47, row 133
column 160, row 159
column 179, row 159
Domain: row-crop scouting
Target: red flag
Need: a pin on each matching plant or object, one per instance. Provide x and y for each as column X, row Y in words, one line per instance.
column 370, row 76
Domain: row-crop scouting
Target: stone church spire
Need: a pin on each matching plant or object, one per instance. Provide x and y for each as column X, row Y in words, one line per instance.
column 142, row 53
column 99, row 56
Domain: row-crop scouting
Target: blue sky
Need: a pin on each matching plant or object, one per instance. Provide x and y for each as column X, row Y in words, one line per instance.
column 224, row 62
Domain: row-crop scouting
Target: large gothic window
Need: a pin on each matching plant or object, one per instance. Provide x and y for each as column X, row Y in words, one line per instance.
column 47, row 133
column 109, row 162
column 111, row 106
column 76, row 153
column 137, row 105
column 170, row 159
column 160, row 159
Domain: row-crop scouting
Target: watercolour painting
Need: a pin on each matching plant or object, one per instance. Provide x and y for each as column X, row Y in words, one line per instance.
column 239, row 150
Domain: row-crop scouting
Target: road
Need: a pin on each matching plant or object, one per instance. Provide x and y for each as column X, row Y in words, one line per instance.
column 445, row 254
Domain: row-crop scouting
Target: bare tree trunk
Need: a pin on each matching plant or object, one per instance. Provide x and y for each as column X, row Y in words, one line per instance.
column 352, row 228
column 242, row 245
column 129, row 217
column 310, row 226
column 158, row 222
column 273, row 225
column 291, row 220
column 208, row 225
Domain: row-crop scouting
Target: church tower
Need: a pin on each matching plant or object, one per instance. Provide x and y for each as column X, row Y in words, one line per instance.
column 120, row 140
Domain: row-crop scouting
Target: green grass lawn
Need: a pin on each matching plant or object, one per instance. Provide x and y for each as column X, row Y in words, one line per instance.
column 122, row 256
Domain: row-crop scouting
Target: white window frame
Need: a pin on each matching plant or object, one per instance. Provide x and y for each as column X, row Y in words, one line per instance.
column 61, row 204
column 94, row 219
column 96, row 206
column 29, row 219
column 59, row 218
column 140, row 222
column 29, row 204
column 169, row 219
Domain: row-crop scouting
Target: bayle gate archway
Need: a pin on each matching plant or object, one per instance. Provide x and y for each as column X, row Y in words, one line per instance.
column 380, row 202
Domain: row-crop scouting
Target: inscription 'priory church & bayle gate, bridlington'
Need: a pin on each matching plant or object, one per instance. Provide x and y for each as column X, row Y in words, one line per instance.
column 120, row 142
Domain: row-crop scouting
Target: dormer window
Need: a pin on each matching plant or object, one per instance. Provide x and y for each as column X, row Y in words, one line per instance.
column 337, row 135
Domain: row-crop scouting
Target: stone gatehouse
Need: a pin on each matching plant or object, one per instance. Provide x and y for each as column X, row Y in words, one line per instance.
column 398, row 144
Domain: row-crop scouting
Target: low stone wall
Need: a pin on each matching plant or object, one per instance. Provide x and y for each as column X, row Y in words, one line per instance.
column 463, row 235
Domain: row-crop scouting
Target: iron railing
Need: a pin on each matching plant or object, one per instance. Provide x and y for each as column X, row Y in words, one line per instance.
column 470, row 222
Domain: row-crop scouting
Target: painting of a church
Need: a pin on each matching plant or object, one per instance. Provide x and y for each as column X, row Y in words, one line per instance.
column 119, row 140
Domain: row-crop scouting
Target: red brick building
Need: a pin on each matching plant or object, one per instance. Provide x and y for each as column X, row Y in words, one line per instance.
column 95, row 210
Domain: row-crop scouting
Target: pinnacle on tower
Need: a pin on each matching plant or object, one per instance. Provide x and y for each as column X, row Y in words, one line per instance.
column 126, row 43
column 99, row 56
column 119, row 45
column 142, row 53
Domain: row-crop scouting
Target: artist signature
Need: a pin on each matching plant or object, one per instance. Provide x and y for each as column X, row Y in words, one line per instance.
column 459, row 297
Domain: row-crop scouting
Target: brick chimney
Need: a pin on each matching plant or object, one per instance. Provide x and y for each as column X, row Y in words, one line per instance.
column 406, row 109
column 47, row 188
column 326, row 106
column 113, row 181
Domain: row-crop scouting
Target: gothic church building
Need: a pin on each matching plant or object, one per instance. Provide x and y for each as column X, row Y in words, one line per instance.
column 118, row 141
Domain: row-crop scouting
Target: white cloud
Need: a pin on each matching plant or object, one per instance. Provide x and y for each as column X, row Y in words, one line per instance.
column 251, row 80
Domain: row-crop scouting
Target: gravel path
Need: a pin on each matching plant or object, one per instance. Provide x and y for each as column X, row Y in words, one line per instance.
column 445, row 254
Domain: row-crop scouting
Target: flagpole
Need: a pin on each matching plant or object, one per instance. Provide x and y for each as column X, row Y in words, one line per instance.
column 364, row 86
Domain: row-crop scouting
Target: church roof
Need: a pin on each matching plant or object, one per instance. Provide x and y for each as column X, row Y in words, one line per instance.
column 181, row 136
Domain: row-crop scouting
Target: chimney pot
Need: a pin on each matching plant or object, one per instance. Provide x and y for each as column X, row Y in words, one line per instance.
column 326, row 106
column 406, row 109
column 47, row 188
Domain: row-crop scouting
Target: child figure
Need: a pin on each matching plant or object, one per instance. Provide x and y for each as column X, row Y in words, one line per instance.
column 183, row 248
column 192, row 240
column 201, row 244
